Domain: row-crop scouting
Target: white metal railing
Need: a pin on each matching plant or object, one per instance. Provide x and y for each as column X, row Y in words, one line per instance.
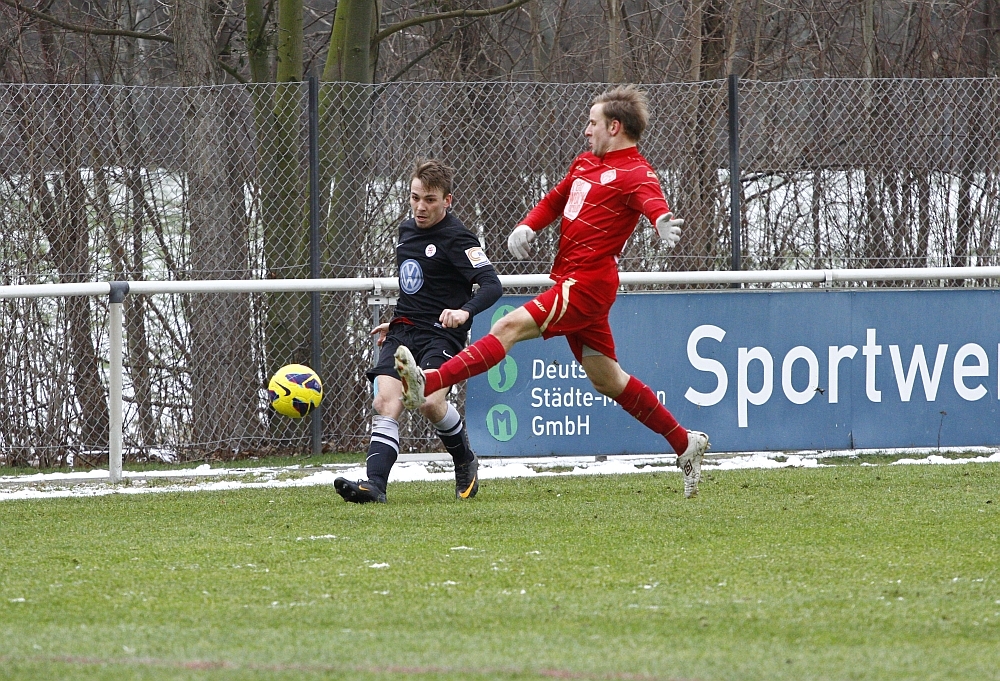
column 514, row 280
column 118, row 290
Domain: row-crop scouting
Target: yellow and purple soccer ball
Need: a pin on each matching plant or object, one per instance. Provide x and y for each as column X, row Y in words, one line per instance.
column 295, row 390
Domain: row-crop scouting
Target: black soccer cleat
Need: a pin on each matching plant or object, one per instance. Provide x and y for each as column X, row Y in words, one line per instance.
column 467, row 479
column 361, row 492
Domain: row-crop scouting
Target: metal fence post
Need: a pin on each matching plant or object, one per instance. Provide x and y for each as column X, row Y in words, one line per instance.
column 375, row 303
column 315, row 334
column 734, row 169
column 119, row 289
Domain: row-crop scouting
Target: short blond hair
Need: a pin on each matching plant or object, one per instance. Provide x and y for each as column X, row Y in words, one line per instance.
column 628, row 105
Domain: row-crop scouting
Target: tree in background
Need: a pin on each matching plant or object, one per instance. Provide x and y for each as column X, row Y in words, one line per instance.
column 223, row 376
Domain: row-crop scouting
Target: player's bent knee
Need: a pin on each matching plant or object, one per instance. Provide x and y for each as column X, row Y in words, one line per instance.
column 386, row 404
column 516, row 326
column 609, row 385
column 436, row 406
column 605, row 388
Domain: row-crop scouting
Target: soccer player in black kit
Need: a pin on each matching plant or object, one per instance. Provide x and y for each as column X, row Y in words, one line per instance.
column 439, row 260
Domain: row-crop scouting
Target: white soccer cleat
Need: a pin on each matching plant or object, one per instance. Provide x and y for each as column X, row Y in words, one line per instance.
column 690, row 462
column 412, row 378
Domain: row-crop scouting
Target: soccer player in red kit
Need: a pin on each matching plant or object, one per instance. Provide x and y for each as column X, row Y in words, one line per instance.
column 600, row 200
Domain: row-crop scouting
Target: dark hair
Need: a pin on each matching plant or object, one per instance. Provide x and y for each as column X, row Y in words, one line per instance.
column 628, row 105
column 433, row 175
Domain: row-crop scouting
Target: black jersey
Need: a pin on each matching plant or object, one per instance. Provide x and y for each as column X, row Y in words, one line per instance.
column 437, row 268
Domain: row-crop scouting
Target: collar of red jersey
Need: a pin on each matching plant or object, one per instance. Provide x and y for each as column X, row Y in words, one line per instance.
column 619, row 153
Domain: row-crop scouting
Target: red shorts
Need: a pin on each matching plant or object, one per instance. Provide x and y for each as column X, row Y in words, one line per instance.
column 577, row 310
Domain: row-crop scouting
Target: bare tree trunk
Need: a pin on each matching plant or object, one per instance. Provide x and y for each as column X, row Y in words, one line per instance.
column 132, row 259
column 257, row 43
column 985, row 253
column 71, row 249
column 923, row 218
column 876, row 250
column 64, row 219
column 868, row 38
column 966, row 211
column 289, row 41
column 223, row 379
column 542, row 38
column 816, row 217
column 733, row 32
column 758, row 29
column 964, row 220
column 350, row 56
column 898, row 189
column 194, row 43
column 281, row 173
column 135, row 306
column 694, row 31
column 991, row 44
column 700, row 193
column 126, row 240
column 345, row 112
column 616, row 56
column 143, row 10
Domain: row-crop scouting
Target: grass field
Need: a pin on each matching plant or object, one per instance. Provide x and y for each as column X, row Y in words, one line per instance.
column 846, row 572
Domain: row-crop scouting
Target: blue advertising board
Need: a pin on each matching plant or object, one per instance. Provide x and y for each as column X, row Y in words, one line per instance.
column 759, row 370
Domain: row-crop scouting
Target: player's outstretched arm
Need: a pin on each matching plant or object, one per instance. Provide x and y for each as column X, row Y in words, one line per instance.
column 519, row 242
column 544, row 213
column 669, row 229
column 489, row 292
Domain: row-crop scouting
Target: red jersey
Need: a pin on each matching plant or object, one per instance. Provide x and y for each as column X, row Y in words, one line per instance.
column 600, row 200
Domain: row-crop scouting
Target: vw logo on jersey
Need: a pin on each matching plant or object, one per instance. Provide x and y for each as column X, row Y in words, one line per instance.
column 411, row 277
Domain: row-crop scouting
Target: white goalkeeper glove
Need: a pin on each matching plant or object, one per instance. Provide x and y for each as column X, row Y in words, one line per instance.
column 519, row 240
column 669, row 229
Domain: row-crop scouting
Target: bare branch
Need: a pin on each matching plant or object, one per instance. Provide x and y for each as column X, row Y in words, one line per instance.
column 456, row 14
column 231, row 71
column 80, row 28
column 413, row 62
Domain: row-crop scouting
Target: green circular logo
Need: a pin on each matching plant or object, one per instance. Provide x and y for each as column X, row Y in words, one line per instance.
column 503, row 375
column 500, row 312
column 501, row 421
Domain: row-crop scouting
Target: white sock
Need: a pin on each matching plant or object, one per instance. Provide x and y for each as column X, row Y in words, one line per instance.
column 451, row 424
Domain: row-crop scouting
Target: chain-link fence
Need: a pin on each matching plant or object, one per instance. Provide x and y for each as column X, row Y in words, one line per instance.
column 105, row 183
column 870, row 173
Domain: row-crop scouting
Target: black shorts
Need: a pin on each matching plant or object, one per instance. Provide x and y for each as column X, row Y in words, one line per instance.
column 430, row 348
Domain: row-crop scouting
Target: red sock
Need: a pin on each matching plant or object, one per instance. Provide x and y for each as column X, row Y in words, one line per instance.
column 482, row 355
column 639, row 401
